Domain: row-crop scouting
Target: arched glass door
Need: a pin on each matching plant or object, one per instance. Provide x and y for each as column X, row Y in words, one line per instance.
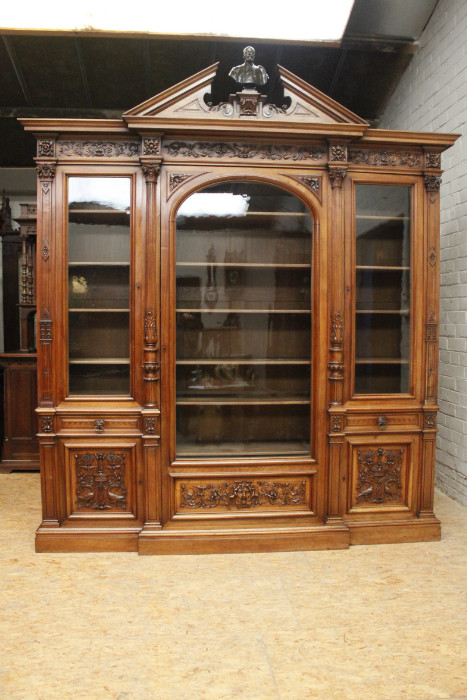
column 244, row 324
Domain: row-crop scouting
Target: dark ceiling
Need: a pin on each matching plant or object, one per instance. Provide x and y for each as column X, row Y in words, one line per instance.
column 84, row 75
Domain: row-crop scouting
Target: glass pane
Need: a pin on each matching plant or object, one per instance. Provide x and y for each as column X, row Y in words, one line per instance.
column 99, row 285
column 243, row 318
column 383, row 275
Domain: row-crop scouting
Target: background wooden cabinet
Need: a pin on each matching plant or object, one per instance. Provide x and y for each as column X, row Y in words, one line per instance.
column 238, row 313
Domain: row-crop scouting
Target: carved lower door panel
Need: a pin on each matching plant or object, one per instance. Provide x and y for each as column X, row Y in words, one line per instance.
column 101, row 479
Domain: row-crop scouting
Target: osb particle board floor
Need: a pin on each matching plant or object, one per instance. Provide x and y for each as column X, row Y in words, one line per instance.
column 371, row 622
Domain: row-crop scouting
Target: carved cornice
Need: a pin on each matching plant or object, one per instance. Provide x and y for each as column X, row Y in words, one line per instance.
column 98, row 149
column 261, row 151
column 386, row 158
column 243, row 495
column 151, row 171
column 379, row 476
column 100, row 481
column 337, row 176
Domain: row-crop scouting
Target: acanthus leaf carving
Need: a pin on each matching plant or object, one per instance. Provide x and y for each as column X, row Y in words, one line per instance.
column 150, row 329
column 432, row 160
column 379, row 476
column 100, row 481
column 432, row 185
column 336, row 176
column 243, row 495
column 46, row 148
column 46, row 171
column 386, row 158
column 151, row 146
column 211, row 149
column 151, row 171
column 337, row 152
column 99, row 149
column 337, row 329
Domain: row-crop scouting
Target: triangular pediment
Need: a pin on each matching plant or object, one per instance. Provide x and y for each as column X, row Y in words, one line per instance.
column 188, row 104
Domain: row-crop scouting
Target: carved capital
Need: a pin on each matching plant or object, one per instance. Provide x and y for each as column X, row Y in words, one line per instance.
column 336, row 176
column 432, row 185
column 46, row 171
column 151, row 171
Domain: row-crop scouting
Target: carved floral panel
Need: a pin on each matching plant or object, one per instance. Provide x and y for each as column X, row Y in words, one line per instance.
column 100, row 481
column 379, row 476
column 242, row 495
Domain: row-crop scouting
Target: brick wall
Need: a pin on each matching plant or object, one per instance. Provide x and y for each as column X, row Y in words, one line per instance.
column 432, row 96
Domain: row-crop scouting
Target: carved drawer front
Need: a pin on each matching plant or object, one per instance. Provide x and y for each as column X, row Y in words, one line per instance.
column 381, row 473
column 242, row 494
column 381, row 422
column 101, row 425
column 100, row 480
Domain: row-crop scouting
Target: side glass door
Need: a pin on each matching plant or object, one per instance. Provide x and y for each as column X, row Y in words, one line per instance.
column 243, row 322
column 99, row 285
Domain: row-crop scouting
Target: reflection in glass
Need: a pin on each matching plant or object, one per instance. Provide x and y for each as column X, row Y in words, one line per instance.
column 99, row 285
column 243, row 322
column 383, row 272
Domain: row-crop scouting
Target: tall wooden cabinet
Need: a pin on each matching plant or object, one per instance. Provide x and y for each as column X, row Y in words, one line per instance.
column 238, row 325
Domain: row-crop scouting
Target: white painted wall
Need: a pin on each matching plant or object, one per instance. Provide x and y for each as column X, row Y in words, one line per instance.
column 432, row 96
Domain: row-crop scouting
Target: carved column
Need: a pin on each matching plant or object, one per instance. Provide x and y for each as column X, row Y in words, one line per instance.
column 432, row 182
column 151, row 166
column 45, row 196
column 337, row 485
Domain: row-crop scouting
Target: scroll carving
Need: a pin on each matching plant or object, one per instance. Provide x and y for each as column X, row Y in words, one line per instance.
column 337, row 176
column 45, row 326
column 151, row 171
column 379, row 476
column 47, row 424
column 99, row 149
column 243, row 494
column 100, row 481
column 211, row 149
column 386, row 158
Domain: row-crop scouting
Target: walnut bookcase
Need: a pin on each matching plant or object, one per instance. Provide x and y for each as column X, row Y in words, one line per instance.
column 238, row 320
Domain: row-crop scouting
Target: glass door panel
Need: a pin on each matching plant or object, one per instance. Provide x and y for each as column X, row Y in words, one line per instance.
column 243, row 319
column 383, row 279
column 99, row 285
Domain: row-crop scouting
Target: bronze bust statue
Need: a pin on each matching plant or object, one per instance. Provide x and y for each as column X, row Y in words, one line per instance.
column 248, row 73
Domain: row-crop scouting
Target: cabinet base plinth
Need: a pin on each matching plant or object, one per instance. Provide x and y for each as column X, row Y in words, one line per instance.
column 67, row 540
column 395, row 532
column 166, row 542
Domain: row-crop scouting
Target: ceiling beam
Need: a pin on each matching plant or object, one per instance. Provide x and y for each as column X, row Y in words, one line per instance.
column 18, row 71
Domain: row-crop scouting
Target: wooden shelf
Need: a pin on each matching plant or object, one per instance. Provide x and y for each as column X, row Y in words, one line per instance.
column 244, row 449
column 382, row 217
column 101, row 361
column 381, row 267
column 234, row 361
column 244, row 311
column 380, row 361
column 401, row 312
column 247, row 401
column 305, row 266
column 97, row 264
column 100, row 311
